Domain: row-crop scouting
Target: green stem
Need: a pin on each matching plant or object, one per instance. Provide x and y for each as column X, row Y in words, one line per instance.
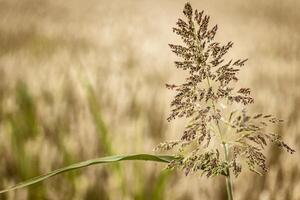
column 228, row 177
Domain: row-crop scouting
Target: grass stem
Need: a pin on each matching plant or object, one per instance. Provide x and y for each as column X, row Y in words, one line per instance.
column 228, row 177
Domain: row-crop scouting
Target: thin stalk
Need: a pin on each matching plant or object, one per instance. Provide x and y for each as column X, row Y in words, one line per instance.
column 228, row 177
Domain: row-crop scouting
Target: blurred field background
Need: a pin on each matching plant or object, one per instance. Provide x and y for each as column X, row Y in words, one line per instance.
column 83, row 79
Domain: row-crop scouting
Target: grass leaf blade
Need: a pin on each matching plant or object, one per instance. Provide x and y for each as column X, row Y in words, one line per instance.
column 102, row 160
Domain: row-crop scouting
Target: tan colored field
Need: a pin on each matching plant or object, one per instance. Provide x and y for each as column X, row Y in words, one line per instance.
column 84, row 79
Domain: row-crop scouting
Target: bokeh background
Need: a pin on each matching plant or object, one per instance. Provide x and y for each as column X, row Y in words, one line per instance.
column 83, row 79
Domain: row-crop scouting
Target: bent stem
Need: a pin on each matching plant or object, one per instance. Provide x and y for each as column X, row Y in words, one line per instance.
column 228, row 177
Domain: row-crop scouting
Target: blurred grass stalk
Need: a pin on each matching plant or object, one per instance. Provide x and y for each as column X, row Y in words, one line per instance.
column 24, row 126
column 103, row 134
column 104, row 138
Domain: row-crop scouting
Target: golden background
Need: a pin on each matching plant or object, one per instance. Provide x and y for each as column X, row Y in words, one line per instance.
column 83, row 79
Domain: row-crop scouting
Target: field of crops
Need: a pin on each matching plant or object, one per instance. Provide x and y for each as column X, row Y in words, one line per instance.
column 85, row 79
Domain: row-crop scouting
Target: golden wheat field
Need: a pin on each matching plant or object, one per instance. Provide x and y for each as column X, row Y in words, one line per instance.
column 85, row 79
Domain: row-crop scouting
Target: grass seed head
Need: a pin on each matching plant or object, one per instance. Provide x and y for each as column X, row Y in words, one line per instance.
column 215, row 108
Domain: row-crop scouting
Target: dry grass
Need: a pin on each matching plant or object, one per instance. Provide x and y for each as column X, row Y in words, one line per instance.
column 84, row 79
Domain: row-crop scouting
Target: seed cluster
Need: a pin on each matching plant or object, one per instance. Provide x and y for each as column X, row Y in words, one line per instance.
column 216, row 110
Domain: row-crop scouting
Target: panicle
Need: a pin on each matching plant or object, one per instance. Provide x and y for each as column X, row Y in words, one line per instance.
column 201, row 99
